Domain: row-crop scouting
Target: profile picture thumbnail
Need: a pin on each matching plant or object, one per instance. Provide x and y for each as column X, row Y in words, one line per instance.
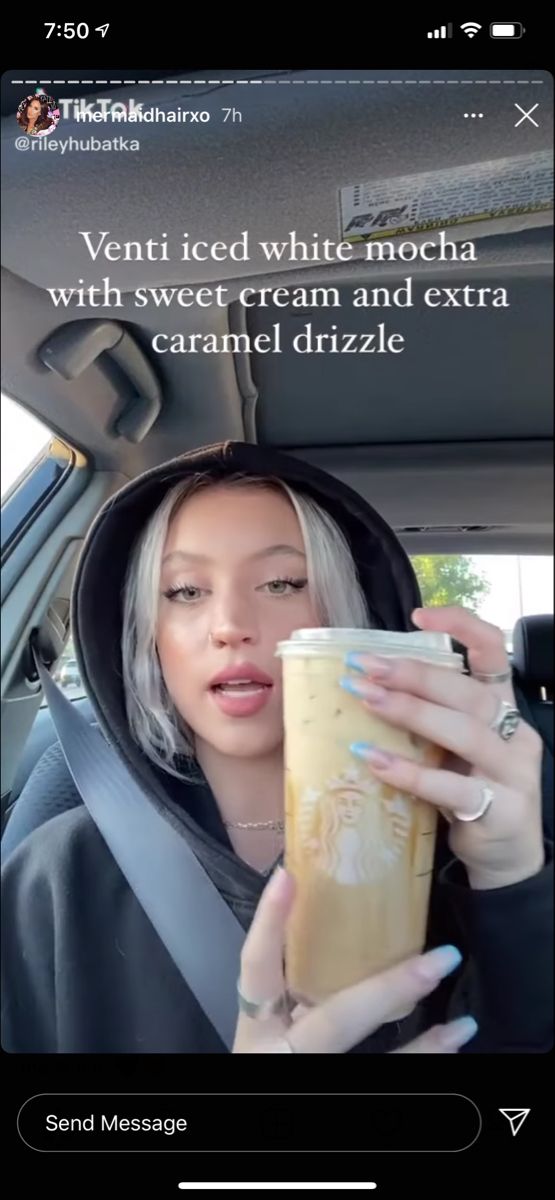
column 38, row 114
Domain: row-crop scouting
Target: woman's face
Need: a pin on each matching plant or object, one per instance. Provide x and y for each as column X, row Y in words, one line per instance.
column 224, row 605
column 33, row 110
column 349, row 808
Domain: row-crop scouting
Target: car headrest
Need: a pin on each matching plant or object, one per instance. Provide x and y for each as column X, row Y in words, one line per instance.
column 533, row 652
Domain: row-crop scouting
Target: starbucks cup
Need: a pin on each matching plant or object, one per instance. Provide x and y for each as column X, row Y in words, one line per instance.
column 361, row 852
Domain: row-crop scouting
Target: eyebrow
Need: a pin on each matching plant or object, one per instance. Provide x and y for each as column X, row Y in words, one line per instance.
column 267, row 552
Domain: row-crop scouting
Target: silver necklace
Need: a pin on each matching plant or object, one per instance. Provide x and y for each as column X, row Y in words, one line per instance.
column 278, row 826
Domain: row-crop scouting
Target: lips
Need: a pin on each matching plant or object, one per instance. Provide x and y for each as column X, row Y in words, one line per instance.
column 241, row 674
column 242, row 690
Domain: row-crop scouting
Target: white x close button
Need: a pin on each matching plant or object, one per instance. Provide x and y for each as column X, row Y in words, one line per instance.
column 526, row 115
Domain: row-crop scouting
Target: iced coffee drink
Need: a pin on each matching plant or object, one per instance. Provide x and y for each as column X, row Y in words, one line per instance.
column 361, row 852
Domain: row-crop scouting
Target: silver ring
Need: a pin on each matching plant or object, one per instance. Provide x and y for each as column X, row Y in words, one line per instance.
column 506, row 720
column 487, row 794
column 496, row 677
column 262, row 1011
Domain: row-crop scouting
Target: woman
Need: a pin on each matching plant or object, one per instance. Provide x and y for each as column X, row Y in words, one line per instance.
column 35, row 114
column 188, row 579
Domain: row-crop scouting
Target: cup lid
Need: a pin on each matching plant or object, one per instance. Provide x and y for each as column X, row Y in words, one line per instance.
column 419, row 644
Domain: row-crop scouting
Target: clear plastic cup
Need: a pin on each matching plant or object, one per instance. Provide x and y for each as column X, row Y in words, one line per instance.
column 361, row 852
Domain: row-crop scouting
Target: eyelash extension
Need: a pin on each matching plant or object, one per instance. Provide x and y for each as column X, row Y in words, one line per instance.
column 297, row 584
column 175, row 590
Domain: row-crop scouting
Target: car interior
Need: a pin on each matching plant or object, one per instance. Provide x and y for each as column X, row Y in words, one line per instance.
column 451, row 441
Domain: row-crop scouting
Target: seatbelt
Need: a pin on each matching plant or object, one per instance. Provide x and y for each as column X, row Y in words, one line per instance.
column 198, row 929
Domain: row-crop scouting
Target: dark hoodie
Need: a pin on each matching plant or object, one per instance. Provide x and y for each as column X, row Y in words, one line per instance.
column 84, row 970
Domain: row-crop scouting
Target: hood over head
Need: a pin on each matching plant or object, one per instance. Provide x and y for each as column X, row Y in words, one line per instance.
column 384, row 570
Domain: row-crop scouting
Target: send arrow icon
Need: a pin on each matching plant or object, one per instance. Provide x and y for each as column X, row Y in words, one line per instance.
column 516, row 1117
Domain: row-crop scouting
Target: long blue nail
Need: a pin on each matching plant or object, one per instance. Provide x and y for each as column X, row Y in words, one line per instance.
column 351, row 685
column 370, row 692
column 458, row 1033
column 372, row 754
column 440, row 962
column 361, row 748
column 354, row 660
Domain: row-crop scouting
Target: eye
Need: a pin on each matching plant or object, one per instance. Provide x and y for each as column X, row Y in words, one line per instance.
column 285, row 587
column 183, row 593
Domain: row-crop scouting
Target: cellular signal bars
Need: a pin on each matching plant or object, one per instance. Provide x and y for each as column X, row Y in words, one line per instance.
column 444, row 31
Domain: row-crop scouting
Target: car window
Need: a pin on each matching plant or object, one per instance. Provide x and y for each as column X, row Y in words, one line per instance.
column 66, row 674
column 23, row 437
column 498, row 587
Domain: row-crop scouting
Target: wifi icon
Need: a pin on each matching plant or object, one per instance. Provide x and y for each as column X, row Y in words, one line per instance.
column 471, row 28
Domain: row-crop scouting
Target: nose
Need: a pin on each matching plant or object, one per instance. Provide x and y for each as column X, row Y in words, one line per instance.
column 232, row 625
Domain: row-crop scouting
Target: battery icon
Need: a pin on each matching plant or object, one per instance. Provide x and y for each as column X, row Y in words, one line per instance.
column 506, row 29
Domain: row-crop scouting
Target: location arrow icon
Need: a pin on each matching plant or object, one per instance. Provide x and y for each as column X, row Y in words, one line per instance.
column 516, row 1117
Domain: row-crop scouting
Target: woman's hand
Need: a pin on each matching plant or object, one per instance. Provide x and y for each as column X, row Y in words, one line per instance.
column 456, row 712
column 344, row 1020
